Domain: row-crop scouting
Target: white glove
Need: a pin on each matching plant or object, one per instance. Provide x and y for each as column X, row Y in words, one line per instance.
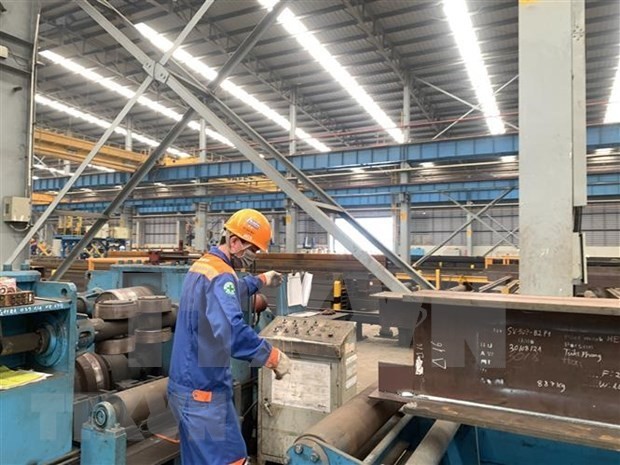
column 272, row 278
column 283, row 367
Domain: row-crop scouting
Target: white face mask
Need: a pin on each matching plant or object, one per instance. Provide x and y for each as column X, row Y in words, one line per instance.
column 242, row 259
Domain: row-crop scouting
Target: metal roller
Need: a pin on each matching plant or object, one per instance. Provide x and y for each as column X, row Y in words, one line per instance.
column 95, row 372
column 37, row 342
column 125, row 293
column 135, row 405
column 157, row 320
column 363, row 417
column 154, row 304
column 435, row 443
column 116, row 309
column 109, row 329
column 116, row 346
column 153, row 336
column 91, row 373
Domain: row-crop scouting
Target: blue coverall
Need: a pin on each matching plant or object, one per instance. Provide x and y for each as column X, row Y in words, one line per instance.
column 209, row 331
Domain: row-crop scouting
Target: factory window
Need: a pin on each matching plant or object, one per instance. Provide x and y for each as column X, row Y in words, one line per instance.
column 382, row 228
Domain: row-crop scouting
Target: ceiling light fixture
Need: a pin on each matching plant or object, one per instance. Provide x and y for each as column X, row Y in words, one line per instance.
column 209, row 73
column 465, row 38
column 126, row 92
column 74, row 112
column 357, row 170
column 427, row 164
column 508, row 158
column 295, row 27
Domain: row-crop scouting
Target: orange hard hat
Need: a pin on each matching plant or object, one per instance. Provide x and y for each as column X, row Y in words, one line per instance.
column 250, row 226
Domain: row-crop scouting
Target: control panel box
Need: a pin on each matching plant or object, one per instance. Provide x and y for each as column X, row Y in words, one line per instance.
column 323, row 377
column 16, row 210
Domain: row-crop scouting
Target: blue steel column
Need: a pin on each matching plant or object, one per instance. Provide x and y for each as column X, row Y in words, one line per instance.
column 552, row 135
column 17, row 24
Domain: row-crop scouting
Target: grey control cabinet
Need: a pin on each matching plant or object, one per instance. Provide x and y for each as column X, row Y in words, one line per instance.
column 323, row 377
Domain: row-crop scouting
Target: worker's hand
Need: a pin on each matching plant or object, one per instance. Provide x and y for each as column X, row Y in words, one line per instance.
column 283, row 367
column 271, row 278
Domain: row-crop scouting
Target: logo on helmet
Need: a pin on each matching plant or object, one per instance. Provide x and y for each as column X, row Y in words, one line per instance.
column 254, row 224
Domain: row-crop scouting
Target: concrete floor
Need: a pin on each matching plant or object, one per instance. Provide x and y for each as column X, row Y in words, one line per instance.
column 372, row 350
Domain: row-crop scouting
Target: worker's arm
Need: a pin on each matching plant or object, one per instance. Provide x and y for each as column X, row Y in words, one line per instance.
column 250, row 285
column 245, row 343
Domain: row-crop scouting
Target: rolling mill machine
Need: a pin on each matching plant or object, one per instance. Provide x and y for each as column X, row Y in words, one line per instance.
column 493, row 379
column 102, row 358
column 89, row 370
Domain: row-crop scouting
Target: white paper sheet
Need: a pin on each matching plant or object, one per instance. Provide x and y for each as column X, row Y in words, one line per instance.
column 306, row 287
column 294, row 291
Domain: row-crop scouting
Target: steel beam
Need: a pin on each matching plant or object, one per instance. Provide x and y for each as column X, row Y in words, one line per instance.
column 552, row 117
column 222, row 39
column 498, row 243
column 471, row 110
column 78, row 172
column 460, row 228
column 123, row 194
column 480, row 220
column 517, row 360
column 459, row 99
column 248, row 43
column 323, row 197
column 288, row 188
column 109, row 131
column 406, row 119
column 404, row 218
column 371, row 26
column 291, row 222
column 292, row 114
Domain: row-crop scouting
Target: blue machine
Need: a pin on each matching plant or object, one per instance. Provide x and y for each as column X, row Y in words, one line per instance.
column 375, row 437
column 104, row 434
column 40, row 337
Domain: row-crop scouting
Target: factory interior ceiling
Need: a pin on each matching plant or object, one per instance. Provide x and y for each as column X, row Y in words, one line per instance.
column 84, row 76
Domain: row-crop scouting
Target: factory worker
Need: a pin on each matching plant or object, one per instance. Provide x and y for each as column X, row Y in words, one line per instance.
column 210, row 329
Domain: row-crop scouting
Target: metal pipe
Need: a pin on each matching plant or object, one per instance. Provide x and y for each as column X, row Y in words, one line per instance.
column 31, row 109
column 363, row 416
column 434, row 445
column 387, row 441
column 27, row 342
column 109, row 329
column 135, row 405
